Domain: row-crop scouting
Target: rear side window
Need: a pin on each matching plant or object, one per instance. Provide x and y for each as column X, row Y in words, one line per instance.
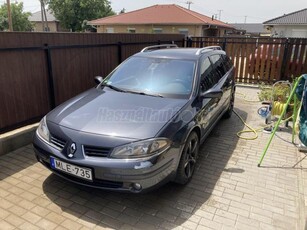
column 217, row 63
column 208, row 75
column 226, row 62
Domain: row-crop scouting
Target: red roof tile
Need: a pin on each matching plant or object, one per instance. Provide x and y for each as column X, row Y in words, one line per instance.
column 160, row 14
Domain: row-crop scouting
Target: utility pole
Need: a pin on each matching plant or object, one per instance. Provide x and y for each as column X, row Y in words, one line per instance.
column 9, row 14
column 220, row 14
column 245, row 17
column 189, row 4
column 44, row 16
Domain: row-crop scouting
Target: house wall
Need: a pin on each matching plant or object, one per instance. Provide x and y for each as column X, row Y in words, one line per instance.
column 289, row 31
column 192, row 30
column 53, row 26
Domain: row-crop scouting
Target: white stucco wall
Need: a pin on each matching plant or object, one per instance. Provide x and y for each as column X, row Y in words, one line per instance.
column 289, row 31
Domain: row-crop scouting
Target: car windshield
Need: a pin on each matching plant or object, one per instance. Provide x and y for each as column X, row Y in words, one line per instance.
column 154, row 76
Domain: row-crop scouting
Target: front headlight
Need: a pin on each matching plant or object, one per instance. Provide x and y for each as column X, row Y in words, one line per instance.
column 43, row 131
column 141, row 148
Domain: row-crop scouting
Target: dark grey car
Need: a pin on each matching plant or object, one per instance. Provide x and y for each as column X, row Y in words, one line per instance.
column 143, row 124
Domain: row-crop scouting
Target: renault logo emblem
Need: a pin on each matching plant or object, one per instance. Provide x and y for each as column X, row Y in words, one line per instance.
column 71, row 150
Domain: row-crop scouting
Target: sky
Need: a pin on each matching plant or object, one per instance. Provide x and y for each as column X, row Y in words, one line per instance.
column 232, row 11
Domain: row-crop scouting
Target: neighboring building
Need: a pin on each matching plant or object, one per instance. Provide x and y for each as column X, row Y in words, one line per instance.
column 250, row 29
column 289, row 25
column 53, row 23
column 162, row 19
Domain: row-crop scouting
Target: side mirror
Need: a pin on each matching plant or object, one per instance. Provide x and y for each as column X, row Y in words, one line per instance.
column 212, row 94
column 98, row 80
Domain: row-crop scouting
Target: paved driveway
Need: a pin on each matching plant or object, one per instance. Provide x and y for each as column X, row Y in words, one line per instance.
column 228, row 190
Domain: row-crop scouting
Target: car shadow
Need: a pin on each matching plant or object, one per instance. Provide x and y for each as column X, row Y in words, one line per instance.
column 14, row 162
column 168, row 207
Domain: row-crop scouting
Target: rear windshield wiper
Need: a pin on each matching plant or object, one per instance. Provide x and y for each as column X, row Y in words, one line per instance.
column 113, row 87
column 147, row 94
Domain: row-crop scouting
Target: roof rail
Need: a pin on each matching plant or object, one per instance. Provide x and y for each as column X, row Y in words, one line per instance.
column 198, row 52
column 164, row 46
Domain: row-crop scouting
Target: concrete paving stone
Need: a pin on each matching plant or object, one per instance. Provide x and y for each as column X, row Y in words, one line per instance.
column 238, row 211
column 14, row 209
column 210, row 224
column 55, row 217
column 143, row 225
column 70, row 214
column 261, row 218
column 46, row 224
column 223, row 220
column 14, row 220
column 111, row 222
column 110, row 212
column 189, row 225
column 194, row 218
column 28, row 226
column 201, row 227
column 69, row 224
column 284, row 221
column 204, row 214
column 170, row 217
column 31, row 217
column 5, row 203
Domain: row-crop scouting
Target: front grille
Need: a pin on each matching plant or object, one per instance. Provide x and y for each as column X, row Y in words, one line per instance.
column 57, row 142
column 96, row 151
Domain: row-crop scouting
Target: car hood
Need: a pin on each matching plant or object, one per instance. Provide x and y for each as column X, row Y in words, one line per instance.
column 112, row 113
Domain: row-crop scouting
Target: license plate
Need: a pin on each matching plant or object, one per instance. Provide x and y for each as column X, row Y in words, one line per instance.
column 71, row 169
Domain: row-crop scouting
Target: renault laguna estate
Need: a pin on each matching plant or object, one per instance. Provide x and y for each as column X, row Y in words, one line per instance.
column 141, row 126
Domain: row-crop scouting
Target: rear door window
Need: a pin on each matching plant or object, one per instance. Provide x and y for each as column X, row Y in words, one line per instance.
column 218, row 67
column 207, row 79
column 226, row 63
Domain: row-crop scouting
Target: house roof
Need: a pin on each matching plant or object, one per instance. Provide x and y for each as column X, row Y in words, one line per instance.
column 37, row 17
column 160, row 14
column 294, row 18
column 250, row 27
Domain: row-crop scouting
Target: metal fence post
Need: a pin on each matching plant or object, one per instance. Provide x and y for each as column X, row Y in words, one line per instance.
column 284, row 61
column 51, row 88
column 224, row 44
column 119, row 52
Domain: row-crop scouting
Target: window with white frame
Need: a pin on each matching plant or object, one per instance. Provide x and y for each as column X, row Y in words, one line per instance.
column 184, row 31
column 110, row 30
column 157, row 30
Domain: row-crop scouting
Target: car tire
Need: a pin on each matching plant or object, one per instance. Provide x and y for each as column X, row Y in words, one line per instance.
column 188, row 159
column 229, row 111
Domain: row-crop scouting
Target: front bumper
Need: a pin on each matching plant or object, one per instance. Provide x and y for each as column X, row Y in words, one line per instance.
column 133, row 175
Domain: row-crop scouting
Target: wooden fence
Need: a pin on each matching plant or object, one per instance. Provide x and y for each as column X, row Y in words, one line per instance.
column 38, row 71
column 262, row 59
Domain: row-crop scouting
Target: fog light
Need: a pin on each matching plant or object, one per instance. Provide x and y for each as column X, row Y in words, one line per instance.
column 137, row 186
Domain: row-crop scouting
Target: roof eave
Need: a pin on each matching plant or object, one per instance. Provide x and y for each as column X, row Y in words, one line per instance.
column 159, row 23
column 285, row 24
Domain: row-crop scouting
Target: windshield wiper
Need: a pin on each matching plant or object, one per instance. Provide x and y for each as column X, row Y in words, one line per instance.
column 147, row 94
column 114, row 87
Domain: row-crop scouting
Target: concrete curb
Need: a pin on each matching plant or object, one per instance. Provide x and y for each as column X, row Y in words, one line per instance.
column 17, row 138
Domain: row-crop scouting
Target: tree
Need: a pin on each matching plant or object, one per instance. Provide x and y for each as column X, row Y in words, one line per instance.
column 20, row 18
column 73, row 13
